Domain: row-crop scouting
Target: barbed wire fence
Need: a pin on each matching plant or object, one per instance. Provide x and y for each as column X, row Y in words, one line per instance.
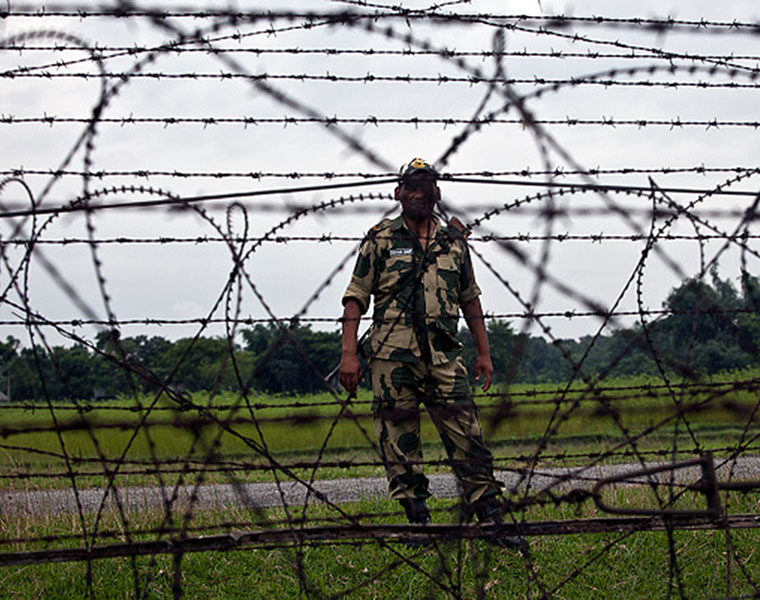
column 173, row 169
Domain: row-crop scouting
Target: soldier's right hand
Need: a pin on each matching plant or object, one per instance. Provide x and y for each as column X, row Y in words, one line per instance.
column 350, row 372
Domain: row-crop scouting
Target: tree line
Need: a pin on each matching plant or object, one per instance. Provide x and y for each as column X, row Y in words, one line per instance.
column 706, row 327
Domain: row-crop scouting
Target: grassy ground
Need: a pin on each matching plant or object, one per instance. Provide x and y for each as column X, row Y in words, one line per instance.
column 240, row 442
column 689, row 564
column 569, row 428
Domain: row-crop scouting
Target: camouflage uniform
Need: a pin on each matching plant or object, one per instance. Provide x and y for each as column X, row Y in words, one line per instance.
column 415, row 355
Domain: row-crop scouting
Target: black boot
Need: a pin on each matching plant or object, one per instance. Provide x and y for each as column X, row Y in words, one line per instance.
column 417, row 513
column 489, row 514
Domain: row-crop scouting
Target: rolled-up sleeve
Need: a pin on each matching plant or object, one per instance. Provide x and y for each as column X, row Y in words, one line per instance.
column 360, row 286
column 469, row 289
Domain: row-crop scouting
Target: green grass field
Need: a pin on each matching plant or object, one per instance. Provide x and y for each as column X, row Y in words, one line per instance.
column 707, row 564
column 46, row 447
column 237, row 437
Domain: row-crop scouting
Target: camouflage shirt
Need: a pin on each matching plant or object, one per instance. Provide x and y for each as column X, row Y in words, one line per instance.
column 417, row 293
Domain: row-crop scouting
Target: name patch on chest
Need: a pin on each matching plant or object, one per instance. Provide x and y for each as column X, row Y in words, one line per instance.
column 399, row 251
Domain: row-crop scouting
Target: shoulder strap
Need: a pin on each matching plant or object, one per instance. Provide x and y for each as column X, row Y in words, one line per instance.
column 459, row 227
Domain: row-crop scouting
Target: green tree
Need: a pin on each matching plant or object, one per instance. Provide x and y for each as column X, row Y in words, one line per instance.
column 293, row 359
column 197, row 363
column 704, row 327
column 29, row 372
column 8, row 356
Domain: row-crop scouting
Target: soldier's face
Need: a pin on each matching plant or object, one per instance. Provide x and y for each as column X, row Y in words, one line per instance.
column 418, row 195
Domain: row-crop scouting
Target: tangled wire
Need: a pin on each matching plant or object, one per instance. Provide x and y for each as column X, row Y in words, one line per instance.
column 173, row 170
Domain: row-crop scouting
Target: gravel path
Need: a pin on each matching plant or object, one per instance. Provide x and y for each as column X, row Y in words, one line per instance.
column 266, row 495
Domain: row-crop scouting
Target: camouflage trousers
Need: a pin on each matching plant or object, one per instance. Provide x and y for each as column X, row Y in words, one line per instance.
column 399, row 389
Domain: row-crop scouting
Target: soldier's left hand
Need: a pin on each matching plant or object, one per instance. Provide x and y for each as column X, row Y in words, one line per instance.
column 484, row 367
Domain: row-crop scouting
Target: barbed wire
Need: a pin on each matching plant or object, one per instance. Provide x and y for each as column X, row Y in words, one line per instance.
column 557, row 21
column 416, row 121
column 509, row 408
column 405, row 78
column 84, row 203
column 528, row 315
column 329, row 239
column 556, row 172
column 18, row 44
column 560, row 445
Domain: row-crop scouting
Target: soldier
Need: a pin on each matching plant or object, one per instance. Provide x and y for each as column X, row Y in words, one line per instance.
column 419, row 274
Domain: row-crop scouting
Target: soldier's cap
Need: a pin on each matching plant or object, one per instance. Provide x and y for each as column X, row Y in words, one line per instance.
column 415, row 166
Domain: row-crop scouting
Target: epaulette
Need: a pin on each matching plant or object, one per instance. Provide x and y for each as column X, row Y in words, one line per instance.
column 375, row 229
column 459, row 227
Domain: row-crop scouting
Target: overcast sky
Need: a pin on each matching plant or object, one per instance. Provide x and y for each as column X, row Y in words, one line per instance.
column 633, row 134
